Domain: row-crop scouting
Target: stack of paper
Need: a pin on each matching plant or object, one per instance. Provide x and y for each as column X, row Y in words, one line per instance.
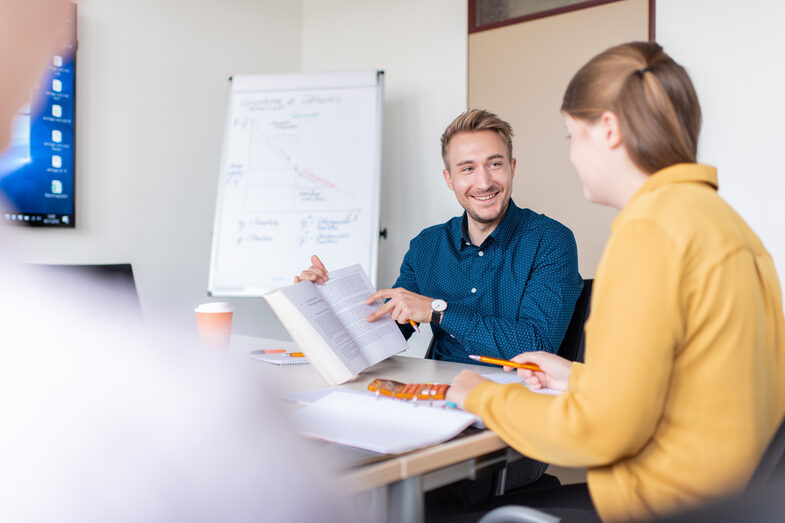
column 379, row 424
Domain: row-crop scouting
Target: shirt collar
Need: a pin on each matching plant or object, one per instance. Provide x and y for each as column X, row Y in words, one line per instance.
column 501, row 234
column 678, row 173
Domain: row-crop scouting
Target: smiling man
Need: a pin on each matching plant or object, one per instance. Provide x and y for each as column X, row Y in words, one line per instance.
column 498, row 280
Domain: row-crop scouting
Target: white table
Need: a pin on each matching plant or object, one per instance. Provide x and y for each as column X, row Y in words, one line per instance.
column 406, row 477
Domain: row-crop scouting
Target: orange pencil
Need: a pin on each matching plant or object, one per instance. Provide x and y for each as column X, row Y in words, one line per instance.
column 296, row 355
column 413, row 324
column 274, row 351
column 508, row 363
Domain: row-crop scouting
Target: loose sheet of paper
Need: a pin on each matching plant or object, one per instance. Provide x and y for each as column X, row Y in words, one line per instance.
column 512, row 377
column 379, row 424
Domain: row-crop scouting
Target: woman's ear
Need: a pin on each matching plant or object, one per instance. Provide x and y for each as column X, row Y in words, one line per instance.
column 611, row 129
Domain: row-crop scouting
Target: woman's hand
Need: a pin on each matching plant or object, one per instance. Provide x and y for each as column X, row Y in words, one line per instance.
column 462, row 385
column 555, row 370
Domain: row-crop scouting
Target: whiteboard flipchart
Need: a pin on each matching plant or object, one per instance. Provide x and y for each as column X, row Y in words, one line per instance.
column 300, row 175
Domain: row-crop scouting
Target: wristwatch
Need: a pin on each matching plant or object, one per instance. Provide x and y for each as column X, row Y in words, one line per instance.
column 437, row 310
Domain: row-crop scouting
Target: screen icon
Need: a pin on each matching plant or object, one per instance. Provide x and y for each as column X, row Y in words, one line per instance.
column 57, row 136
column 57, row 111
column 57, row 187
column 57, row 162
column 66, row 220
column 57, row 60
column 57, row 85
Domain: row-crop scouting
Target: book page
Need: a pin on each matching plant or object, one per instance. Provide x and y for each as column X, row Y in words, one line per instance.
column 306, row 297
column 346, row 291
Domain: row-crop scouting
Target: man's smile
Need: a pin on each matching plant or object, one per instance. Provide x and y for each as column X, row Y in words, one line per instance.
column 485, row 197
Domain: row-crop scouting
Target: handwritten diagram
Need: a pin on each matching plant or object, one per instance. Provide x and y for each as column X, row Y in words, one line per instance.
column 299, row 176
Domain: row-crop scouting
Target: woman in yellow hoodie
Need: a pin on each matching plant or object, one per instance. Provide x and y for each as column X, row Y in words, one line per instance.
column 682, row 387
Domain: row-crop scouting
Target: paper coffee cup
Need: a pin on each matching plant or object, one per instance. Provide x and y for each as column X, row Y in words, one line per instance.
column 214, row 323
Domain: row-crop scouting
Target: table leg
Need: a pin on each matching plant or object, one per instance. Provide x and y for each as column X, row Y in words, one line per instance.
column 405, row 501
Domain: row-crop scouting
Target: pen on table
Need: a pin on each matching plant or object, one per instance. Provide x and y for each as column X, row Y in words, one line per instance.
column 413, row 324
column 273, row 351
column 296, row 355
column 508, row 363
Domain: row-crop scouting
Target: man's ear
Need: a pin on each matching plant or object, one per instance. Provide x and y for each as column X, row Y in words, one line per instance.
column 513, row 163
column 448, row 179
column 611, row 129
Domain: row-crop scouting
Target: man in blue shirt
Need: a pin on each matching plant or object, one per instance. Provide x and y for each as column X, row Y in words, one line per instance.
column 498, row 280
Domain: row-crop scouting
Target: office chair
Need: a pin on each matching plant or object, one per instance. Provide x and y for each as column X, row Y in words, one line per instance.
column 573, row 345
column 517, row 514
column 772, row 465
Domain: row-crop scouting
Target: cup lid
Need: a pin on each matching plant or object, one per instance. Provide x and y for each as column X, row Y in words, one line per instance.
column 215, row 306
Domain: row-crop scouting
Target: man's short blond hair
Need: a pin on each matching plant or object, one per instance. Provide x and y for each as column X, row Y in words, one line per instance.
column 475, row 120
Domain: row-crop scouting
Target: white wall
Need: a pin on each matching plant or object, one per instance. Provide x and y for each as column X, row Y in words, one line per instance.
column 734, row 53
column 152, row 88
column 422, row 48
column 151, row 99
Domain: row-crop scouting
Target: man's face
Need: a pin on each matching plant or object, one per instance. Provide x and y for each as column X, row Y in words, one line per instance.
column 480, row 174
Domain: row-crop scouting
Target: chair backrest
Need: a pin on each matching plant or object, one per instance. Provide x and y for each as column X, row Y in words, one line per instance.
column 572, row 346
column 429, row 352
column 772, row 465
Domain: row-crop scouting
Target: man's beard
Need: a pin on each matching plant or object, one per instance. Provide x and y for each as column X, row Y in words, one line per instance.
column 480, row 219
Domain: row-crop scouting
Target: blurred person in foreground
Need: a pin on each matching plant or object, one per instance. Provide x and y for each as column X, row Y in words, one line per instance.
column 682, row 386
column 104, row 423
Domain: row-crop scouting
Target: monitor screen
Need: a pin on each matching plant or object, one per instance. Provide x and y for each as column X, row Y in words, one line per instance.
column 37, row 169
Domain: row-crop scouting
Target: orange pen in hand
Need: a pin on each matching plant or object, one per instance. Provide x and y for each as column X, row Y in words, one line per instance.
column 508, row 363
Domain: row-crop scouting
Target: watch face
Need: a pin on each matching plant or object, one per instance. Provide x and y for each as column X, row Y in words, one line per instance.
column 438, row 305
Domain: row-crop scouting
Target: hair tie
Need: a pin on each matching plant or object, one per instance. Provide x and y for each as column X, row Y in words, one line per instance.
column 643, row 71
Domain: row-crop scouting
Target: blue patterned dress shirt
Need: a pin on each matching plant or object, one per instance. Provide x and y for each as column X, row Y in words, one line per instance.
column 514, row 293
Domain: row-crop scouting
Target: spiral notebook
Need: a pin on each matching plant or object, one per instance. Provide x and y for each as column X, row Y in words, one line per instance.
column 284, row 358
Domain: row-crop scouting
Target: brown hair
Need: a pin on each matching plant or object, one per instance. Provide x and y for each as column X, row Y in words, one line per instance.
column 652, row 96
column 475, row 120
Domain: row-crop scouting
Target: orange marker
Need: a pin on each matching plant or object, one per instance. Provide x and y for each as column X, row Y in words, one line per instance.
column 296, row 355
column 413, row 324
column 508, row 363
column 274, row 351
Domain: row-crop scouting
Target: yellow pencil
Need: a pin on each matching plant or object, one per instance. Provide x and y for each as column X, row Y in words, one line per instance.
column 508, row 363
column 411, row 322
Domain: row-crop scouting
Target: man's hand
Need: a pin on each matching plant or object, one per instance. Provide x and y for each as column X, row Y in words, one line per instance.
column 403, row 306
column 556, row 370
column 316, row 273
column 462, row 385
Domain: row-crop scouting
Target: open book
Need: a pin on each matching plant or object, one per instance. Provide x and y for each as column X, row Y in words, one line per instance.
column 328, row 323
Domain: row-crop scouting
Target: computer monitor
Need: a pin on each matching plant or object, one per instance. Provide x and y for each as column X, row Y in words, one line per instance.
column 37, row 170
